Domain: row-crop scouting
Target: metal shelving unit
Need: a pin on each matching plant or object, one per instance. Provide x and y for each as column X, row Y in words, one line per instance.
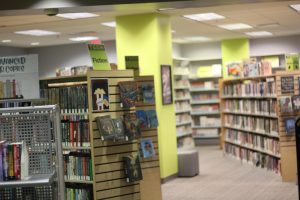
column 39, row 128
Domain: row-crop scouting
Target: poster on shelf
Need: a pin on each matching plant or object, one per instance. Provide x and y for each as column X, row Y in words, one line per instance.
column 100, row 94
column 234, row 69
column 22, row 70
column 292, row 61
column 99, row 57
column 287, row 84
column 272, row 60
column 209, row 71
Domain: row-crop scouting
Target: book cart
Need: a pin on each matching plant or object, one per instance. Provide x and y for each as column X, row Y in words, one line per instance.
column 39, row 128
column 250, row 121
column 108, row 179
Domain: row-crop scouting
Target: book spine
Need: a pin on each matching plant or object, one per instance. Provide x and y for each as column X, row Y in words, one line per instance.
column 14, row 88
column 17, row 161
column 5, row 162
column 1, row 162
column 10, row 162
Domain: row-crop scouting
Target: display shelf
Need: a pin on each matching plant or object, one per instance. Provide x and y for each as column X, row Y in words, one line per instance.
column 248, row 97
column 179, row 135
column 205, row 113
column 31, row 181
column 205, row 127
column 181, row 88
column 182, row 111
column 253, row 149
column 183, row 99
column 212, row 101
column 206, row 137
column 75, row 148
column 251, row 114
column 204, row 78
column 204, row 90
column 78, row 181
column 262, row 133
column 183, row 123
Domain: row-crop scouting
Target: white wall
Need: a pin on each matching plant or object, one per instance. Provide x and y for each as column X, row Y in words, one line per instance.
column 203, row 51
column 176, row 50
column 53, row 57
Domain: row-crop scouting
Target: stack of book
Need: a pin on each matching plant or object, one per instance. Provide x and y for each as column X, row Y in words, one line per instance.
column 9, row 89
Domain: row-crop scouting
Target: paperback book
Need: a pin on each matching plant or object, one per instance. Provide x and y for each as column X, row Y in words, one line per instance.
column 146, row 93
column 119, row 129
column 152, row 118
column 142, row 117
column 285, row 104
column 132, row 167
column 147, row 148
column 250, row 68
column 234, row 69
column 296, row 102
column 289, row 124
column 106, row 127
column 132, row 129
column 287, row 84
column 128, row 93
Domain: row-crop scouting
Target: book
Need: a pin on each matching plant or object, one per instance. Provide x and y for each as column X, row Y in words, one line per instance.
column 119, row 130
column 100, row 99
column 289, row 124
column 106, row 127
column 296, row 102
column 147, row 148
column 146, row 93
column 287, row 84
column 24, row 161
column 128, row 93
column 1, row 159
column 10, row 162
column 285, row 104
column 152, row 118
column 234, row 69
column 250, row 67
column 132, row 129
column 142, row 117
column 132, row 168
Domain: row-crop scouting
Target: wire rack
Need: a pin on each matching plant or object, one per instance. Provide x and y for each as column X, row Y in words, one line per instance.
column 39, row 128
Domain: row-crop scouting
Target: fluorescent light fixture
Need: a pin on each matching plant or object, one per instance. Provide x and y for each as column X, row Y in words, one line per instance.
column 109, row 24
column 36, row 32
column 197, row 39
column 77, row 15
column 83, row 38
column 34, row 43
column 259, row 33
column 296, row 7
column 204, row 16
column 165, row 9
column 6, row 41
column 236, row 26
column 269, row 25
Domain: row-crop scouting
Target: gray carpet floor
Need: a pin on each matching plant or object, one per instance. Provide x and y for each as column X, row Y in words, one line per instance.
column 224, row 178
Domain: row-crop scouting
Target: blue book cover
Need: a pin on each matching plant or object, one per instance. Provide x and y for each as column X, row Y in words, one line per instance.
column 148, row 93
column 290, row 125
column 152, row 118
column 142, row 117
column 147, row 148
column 128, row 93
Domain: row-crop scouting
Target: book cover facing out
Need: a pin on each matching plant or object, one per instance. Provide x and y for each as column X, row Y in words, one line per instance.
column 147, row 148
column 128, row 93
column 132, row 129
column 119, row 129
column 100, row 94
column 132, row 167
column 99, row 57
column 287, row 84
column 285, row 104
column 289, row 124
column 296, row 102
column 146, row 93
column 234, row 69
column 152, row 118
column 142, row 117
column 106, row 127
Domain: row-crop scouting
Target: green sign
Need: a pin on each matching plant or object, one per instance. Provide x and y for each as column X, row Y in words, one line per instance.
column 292, row 62
column 98, row 56
column 132, row 62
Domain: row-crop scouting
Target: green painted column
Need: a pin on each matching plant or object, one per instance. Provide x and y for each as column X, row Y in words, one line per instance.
column 149, row 37
column 234, row 50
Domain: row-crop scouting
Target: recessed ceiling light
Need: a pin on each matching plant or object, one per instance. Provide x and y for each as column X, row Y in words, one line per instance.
column 165, row 9
column 236, row 26
column 197, row 39
column 296, row 7
column 34, row 43
column 6, row 41
column 204, row 16
column 109, row 24
column 83, row 38
column 77, row 15
column 37, row 32
column 259, row 33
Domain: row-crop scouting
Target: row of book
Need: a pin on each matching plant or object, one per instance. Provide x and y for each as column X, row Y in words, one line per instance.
column 181, row 83
column 78, row 166
column 9, row 89
column 206, row 96
column 254, row 158
column 75, row 133
column 250, row 88
column 289, row 103
column 182, row 105
column 182, row 94
column 206, row 108
column 126, row 128
column 204, row 84
column 183, row 129
column 262, row 107
column 257, row 124
column 258, row 142
column 73, row 99
column 183, row 118
column 78, row 194
column 13, row 161
column 73, row 71
column 206, row 121
column 206, row 132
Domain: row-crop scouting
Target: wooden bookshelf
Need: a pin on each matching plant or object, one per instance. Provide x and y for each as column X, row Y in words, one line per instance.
column 250, row 114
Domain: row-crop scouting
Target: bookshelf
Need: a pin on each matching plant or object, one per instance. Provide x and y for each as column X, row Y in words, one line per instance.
column 108, row 180
column 205, row 109
column 250, row 121
column 182, row 101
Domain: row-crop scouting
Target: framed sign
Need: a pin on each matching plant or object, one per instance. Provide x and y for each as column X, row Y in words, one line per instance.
column 166, row 84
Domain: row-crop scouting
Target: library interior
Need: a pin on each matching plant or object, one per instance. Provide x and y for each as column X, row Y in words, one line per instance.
column 149, row 100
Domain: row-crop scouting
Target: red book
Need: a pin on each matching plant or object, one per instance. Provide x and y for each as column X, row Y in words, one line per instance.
column 14, row 88
column 17, row 160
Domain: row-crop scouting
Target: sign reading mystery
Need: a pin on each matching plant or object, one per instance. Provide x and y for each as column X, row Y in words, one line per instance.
column 287, row 84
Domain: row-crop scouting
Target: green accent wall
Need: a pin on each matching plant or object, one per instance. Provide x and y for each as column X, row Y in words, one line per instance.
column 149, row 37
column 234, row 50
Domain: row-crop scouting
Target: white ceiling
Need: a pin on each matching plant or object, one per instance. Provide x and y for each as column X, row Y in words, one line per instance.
column 257, row 15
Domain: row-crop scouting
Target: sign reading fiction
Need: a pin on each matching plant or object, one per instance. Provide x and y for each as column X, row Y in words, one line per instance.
column 287, row 84
column 99, row 57
column 13, row 65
